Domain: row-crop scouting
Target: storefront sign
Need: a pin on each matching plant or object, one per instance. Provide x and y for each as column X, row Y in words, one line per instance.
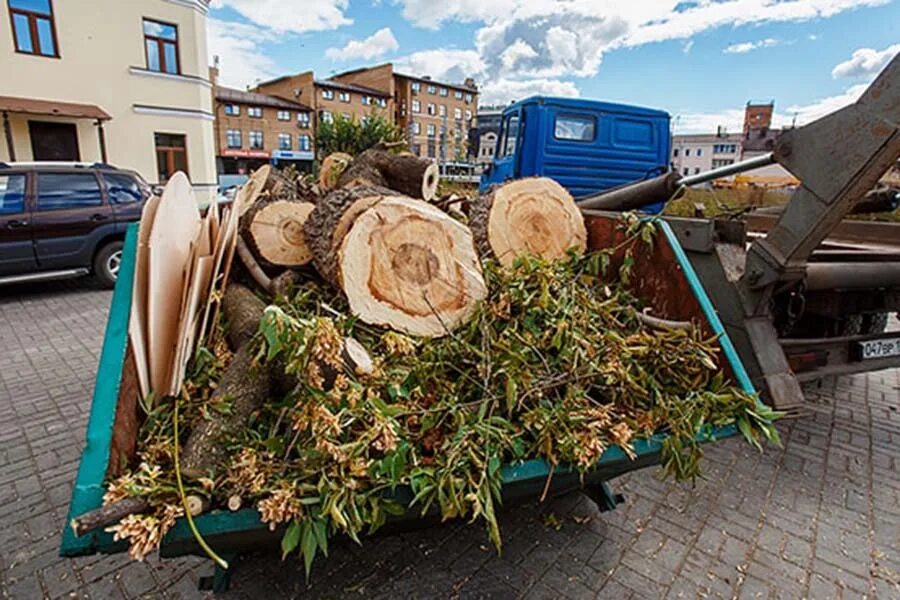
column 239, row 153
column 293, row 154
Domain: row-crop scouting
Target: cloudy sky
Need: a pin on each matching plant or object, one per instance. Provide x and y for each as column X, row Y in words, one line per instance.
column 700, row 60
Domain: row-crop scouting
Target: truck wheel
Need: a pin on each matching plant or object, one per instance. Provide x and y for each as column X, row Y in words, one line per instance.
column 106, row 264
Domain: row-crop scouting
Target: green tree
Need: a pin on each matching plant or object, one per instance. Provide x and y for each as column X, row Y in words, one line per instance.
column 348, row 135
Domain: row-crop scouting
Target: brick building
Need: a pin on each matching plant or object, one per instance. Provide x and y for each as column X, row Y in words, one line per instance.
column 253, row 129
column 328, row 98
column 435, row 116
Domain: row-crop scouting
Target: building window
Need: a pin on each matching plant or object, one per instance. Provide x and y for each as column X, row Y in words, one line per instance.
column 328, row 94
column 161, row 45
column 382, row 102
column 233, row 138
column 345, row 97
column 696, row 170
column 303, row 142
column 457, row 114
column 444, row 92
column 326, row 116
column 171, row 155
column 303, row 119
column 468, row 115
column 284, row 141
column 254, row 111
column 721, row 162
column 699, row 151
column 33, row 28
column 432, row 89
column 430, row 149
column 415, row 86
column 416, row 106
column 443, row 110
column 431, row 130
column 458, row 95
column 232, row 110
column 416, row 128
column 284, row 115
column 432, row 110
column 687, row 151
column 686, row 171
column 675, row 152
column 468, row 98
column 256, row 140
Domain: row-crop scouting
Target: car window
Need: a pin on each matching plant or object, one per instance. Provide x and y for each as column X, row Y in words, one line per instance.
column 122, row 188
column 67, row 190
column 12, row 194
column 510, row 134
column 574, row 127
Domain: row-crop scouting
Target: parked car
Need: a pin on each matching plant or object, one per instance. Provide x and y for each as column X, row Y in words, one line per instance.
column 60, row 220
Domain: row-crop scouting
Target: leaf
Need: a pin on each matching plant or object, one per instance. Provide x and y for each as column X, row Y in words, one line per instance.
column 308, row 547
column 290, row 539
column 512, row 393
column 321, row 529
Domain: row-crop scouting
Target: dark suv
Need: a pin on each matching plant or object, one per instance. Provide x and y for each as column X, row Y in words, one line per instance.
column 62, row 220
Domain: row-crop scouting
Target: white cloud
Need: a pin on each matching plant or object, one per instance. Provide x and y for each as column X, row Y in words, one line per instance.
column 744, row 47
column 503, row 91
column 445, row 64
column 378, row 44
column 291, row 15
column 518, row 50
column 241, row 61
column 806, row 113
column 709, row 122
column 865, row 62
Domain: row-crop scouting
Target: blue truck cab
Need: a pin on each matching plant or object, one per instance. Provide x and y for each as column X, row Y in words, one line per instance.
column 585, row 145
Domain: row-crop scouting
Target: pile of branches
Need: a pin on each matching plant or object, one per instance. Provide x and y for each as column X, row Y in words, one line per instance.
column 557, row 362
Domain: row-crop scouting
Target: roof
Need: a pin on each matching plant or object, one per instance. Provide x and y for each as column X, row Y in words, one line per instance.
column 227, row 94
column 711, row 138
column 595, row 105
column 33, row 106
column 351, row 87
column 456, row 86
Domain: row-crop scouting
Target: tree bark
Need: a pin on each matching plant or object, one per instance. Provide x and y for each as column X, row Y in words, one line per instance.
column 330, row 221
column 534, row 216
column 109, row 514
column 408, row 174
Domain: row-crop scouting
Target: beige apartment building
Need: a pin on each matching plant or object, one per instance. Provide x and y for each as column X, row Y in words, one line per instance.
column 435, row 116
column 121, row 82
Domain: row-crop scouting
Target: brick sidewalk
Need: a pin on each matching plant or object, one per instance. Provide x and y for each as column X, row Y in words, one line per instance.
column 819, row 518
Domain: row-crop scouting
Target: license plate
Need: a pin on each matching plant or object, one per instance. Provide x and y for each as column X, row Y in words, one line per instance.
column 884, row 348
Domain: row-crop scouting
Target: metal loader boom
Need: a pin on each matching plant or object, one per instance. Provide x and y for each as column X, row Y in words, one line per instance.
column 838, row 159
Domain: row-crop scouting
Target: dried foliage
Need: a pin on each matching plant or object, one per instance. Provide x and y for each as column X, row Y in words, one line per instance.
column 555, row 365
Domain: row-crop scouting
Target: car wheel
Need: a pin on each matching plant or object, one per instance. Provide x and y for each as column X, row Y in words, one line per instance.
column 107, row 263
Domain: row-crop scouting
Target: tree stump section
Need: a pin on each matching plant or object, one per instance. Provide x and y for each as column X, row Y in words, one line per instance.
column 534, row 216
column 330, row 221
column 274, row 232
column 405, row 173
column 331, row 170
column 406, row 265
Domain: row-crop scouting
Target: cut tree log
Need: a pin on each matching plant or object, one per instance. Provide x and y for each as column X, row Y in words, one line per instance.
column 534, row 216
column 109, row 514
column 273, row 231
column 264, row 180
column 405, row 173
column 330, row 221
column 406, row 265
column 331, row 170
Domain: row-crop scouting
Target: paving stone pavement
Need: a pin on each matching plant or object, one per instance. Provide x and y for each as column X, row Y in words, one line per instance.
column 819, row 518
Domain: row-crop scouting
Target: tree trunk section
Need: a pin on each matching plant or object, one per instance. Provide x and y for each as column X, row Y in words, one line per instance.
column 406, row 265
column 331, row 170
column 273, row 231
column 534, row 216
column 408, row 174
column 330, row 221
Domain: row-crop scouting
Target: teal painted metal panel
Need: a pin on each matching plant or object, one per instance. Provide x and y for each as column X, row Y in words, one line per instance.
column 88, row 492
